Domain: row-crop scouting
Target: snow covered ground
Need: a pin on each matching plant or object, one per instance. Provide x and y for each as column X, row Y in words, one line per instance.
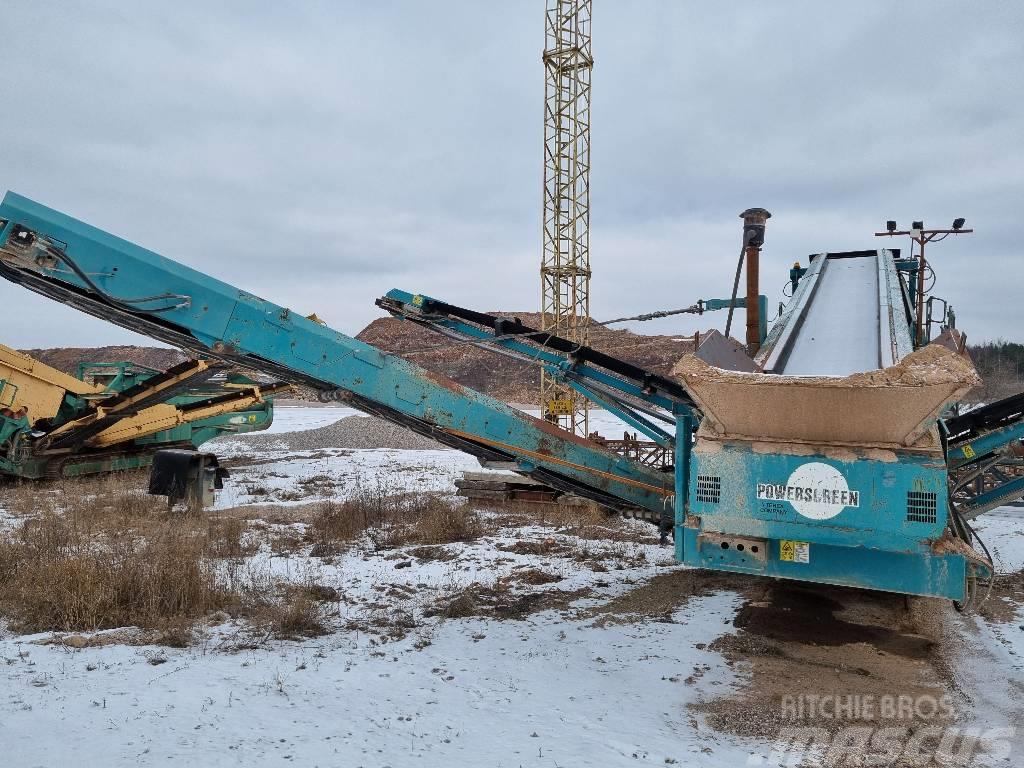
column 546, row 691
column 585, row 682
column 290, row 478
column 286, row 477
column 993, row 651
column 557, row 687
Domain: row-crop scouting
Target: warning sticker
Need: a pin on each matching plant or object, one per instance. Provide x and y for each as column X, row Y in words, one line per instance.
column 968, row 452
column 794, row 551
column 562, row 407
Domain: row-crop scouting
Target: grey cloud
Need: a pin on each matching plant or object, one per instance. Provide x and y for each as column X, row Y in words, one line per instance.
column 321, row 153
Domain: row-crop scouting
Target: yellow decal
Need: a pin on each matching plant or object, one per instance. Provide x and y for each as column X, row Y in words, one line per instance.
column 794, row 551
column 252, row 418
column 968, row 452
column 560, row 407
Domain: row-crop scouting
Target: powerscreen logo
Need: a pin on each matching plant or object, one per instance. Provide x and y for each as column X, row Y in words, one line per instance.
column 816, row 490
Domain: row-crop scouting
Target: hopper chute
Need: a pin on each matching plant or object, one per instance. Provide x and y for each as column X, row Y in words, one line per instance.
column 890, row 407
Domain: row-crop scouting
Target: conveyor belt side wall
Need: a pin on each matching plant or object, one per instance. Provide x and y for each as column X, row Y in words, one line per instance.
column 846, row 317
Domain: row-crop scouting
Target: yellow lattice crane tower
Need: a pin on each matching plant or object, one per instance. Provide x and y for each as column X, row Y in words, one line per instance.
column 565, row 266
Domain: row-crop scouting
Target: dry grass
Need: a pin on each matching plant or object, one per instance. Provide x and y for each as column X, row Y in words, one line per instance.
column 93, row 554
column 67, row 573
column 546, row 547
column 117, row 496
column 285, row 541
column 576, row 518
column 584, row 521
column 438, row 522
column 432, row 553
column 226, row 537
column 502, row 601
column 388, row 623
column 334, row 527
column 532, row 576
column 461, row 606
column 96, row 554
column 389, row 521
column 296, row 613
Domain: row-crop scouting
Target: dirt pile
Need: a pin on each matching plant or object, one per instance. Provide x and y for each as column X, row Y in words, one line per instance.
column 502, row 377
column 67, row 358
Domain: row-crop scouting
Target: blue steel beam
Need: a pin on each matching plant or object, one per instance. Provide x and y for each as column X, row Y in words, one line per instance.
column 588, row 379
column 111, row 278
column 653, row 388
column 628, row 415
column 984, row 445
column 710, row 305
column 1004, row 493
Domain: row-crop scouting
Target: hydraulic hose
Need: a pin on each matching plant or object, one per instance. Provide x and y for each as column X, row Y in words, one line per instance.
column 125, row 304
column 736, row 282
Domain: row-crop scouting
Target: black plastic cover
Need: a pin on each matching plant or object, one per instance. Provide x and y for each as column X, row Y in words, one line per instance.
column 174, row 468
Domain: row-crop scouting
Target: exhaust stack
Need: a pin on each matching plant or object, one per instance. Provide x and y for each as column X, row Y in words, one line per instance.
column 753, row 236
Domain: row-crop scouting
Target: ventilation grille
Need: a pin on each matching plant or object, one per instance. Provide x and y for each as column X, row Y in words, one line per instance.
column 921, row 507
column 709, row 489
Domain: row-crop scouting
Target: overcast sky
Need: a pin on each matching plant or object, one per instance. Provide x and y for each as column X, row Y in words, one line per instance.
column 321, row 153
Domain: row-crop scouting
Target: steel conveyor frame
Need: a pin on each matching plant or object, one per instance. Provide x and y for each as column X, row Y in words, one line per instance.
column 97, row 273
